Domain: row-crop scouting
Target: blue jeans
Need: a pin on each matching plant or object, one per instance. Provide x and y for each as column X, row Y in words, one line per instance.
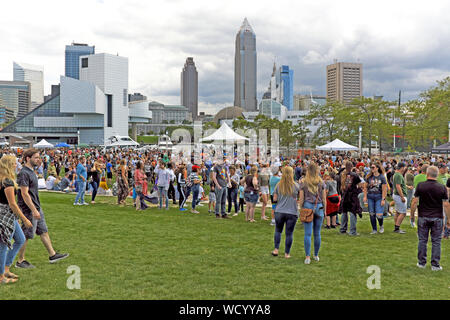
column 7, row 256
column 315, row 225
column 232, row 198
column 425, row 226
column 221, row 197
column 289, row 220
column 81, row 191
column 163, row 193
column 344, row 223
column 195, row 191
column 375, row 209
column 94, row 191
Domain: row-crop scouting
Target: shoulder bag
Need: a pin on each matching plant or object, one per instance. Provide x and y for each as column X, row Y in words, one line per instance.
column 307, row 215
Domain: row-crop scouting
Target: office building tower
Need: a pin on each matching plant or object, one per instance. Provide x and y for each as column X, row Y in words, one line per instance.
column 35, row 76
column 189, row 87
column 245, row 68
column 287, row 87
column 344, row 81
column 73, row 54
column 15, row 96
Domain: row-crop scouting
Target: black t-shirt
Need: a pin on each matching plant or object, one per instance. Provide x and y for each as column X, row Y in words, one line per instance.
column 5, row 184
column 375, row 184
column 431, row 193
column 27, row 178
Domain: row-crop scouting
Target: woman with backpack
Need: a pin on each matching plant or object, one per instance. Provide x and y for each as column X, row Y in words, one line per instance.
column 313, row 195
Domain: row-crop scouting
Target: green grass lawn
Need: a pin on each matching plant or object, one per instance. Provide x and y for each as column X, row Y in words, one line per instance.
column 127, row 254
column 147, row 139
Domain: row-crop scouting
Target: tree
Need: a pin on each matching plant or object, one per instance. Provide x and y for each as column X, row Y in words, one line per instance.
column 328, row 115
column 210, row 125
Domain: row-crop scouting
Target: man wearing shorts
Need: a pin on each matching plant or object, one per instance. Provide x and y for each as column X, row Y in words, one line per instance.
column 399, row 196
column 29, row 203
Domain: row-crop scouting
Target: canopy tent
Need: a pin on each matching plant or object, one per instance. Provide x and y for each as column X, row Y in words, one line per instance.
column 445, row 148
column 43, row 144
column 62, row 145
column 337, row 145
column 224, row 133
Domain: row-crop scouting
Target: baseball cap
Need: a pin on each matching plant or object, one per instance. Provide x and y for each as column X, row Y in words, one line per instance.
column 401, row 165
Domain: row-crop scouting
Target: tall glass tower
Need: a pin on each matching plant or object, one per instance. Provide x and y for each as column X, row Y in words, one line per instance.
column 287, row 87
column 73, row 53
column 245, row 68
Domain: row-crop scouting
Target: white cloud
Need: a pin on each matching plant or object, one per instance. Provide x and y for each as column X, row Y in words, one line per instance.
column 157, row 36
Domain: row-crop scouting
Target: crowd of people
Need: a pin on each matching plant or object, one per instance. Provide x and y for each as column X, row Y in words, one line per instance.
column 336, row 188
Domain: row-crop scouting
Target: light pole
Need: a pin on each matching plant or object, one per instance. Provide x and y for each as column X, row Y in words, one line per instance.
column 360, row 142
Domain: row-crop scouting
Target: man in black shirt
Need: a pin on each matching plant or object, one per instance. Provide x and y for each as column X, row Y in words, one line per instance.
column 29, row 203
column 433, row 198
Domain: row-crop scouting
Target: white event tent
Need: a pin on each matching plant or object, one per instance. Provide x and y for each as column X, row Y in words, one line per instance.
column 337, row 145
column 43, row 144
column 224, row 133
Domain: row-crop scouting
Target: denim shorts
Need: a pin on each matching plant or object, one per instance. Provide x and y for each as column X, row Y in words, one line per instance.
column 251, row 197
column 39, row 226
column 400, row 206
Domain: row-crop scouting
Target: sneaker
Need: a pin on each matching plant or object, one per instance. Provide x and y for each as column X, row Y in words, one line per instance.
column 84, row 204
column 24, row 265
column 413, row 225
column 374, row 232
column 399, row 231
column 317, row 258
column 307, row 260
column 272, row 223
column 183, row 209
column 76, row 204
column 235, row 215
column 433, row 268
column 421, row 266
column 57, row 257
column 382, row 229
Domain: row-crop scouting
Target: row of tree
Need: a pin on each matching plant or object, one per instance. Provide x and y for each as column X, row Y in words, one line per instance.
column 417, row 124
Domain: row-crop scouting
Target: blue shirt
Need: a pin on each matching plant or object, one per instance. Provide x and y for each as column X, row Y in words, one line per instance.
column 108, row 167
column 273, row 181
column 81, row 172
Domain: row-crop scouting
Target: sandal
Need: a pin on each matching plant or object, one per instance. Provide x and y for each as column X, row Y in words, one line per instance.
column 11, row 275
column 6, row 280
column 274, row 254
column 264, row 218
column 287, row 256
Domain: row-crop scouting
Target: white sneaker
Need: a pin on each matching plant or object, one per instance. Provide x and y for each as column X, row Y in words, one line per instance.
column 382, row 229
column 84, row 204
column 234, row 215
column 316, row 258
column 433, row 268
column 420, row 266
column 307, row 260
column 272, row 223
column 76, row 204
column 374, row 232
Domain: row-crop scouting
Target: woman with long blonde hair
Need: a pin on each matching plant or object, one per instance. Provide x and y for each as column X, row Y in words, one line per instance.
column 9, row 226
column 285, row 197
column 313, row 195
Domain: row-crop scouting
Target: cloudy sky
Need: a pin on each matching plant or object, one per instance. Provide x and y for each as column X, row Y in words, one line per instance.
column 402, row 45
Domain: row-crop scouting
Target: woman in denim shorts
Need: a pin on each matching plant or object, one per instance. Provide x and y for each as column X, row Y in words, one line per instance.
column 251, row 193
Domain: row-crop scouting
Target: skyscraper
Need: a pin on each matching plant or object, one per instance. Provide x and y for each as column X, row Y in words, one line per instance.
column 281, row 87
column 245, row 68
column 344, row 81
column 73, row 53
column 35, row 76
column 189, row 87
column 16, row 96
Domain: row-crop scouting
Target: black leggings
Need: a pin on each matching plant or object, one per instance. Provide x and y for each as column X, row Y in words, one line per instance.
column 182, row 199
column 280, row 220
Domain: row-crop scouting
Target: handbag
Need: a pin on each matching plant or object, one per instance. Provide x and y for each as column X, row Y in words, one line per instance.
column 307, row 215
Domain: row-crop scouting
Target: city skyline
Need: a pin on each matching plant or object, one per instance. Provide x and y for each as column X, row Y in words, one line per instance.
column 402, row 47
